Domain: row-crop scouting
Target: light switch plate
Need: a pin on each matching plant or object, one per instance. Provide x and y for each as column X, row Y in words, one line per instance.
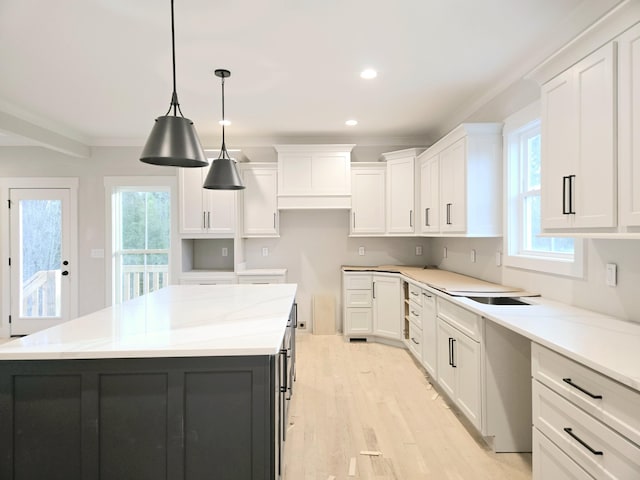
column 444, row 252
column 265, row 251
column 418, row 249
column 473, row 256
column 360, row 250
column 225, row 252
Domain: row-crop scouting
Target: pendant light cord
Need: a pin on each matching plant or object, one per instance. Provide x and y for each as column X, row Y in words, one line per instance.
column 174, row 97
column 223, row 150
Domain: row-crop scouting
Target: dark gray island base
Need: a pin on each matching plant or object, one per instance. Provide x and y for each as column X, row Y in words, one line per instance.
column 218, row 417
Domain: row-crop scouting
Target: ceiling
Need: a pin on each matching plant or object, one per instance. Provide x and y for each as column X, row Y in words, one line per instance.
column 97, row 72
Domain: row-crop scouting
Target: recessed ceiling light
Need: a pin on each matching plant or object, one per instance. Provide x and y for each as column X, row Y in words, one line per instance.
column 351, row 123
column 369, row 73
column 226, row 123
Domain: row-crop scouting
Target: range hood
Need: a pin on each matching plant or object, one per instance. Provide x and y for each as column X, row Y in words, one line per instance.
column 314, row 177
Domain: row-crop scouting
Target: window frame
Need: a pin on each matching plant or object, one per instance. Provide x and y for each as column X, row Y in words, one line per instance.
column 136, row 183
column 515, row 256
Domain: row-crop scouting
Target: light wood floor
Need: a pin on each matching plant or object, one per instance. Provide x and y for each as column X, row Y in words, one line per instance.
column 353, row 397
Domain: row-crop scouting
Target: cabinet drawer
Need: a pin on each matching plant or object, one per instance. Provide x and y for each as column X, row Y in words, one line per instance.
column 619, row 405
column 464, row 320
column 357, row 282
column 415, row 340
column 428, row 300
column 414, row 293
column 590, row 443
column 358, row 298
column 549, row 462
column 415, row 314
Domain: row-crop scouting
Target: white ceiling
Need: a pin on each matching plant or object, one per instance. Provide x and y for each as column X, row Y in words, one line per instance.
column 99, row 71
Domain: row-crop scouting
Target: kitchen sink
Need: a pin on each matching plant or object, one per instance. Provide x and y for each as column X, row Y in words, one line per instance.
column 499, row 300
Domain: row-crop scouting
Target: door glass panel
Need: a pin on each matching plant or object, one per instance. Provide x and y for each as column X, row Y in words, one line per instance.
column 40, row 258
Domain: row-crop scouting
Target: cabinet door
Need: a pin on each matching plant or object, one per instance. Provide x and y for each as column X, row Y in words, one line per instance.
column 367, row 200
column 429, row 334
column 453, row 188
column 446, row 371
column 558, row 150
column 192, row 212
column 400, row 195
column 221, row 211
column 595, row 184
column 629, row 127
column 466, row 358
column 259, row 202
column 429, row 213
column 358, row 321
column 387, row 305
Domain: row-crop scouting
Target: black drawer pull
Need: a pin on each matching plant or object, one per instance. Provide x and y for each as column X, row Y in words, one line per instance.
column 414, row 341
column 578, row 387
column 582, row 442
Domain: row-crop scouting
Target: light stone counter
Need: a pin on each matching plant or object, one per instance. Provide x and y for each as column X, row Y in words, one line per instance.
column 177, row 321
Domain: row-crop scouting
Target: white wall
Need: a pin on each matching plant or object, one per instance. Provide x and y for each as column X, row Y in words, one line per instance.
column 590, row 293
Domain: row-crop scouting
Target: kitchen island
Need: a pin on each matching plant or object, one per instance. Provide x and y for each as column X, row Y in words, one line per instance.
column 188, row 382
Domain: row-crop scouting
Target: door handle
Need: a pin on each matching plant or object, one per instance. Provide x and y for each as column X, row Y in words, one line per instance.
column 565, row 210
column 411, row 218
column 449, row 213
column 572, row 179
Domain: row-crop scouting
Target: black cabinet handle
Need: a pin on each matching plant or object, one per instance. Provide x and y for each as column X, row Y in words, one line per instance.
column 411, row 218
column 204, row 219
column 565, row 210
column 449, row 213
column 450, row 352
column 582, row 442
column 453, row 356
column 578, row 387
column 354, row 219
column 208, row 219
column 414, row 341
column 572, row 179
column 426, row 217
column 374, row 289
column 426, row 295
column 65, row 273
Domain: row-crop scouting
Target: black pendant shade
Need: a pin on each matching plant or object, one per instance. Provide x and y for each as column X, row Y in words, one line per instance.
column 173, row 140
column 223, row 174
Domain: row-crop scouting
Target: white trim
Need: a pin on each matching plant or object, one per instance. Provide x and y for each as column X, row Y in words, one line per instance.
column 7, row 183
column 139, row 181
column 517, row 122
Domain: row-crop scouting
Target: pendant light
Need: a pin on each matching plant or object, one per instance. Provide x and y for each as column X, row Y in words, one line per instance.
column 223, row 174
column 173, row 140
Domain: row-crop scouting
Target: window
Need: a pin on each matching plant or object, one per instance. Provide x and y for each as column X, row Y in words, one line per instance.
column 141, row 226
column 525, row 248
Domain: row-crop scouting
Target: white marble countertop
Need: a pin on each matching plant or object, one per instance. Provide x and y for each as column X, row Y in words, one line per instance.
column 177, row 321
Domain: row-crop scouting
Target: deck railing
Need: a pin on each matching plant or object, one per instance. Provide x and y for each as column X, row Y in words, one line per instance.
column 41, row 294
column 140, row 279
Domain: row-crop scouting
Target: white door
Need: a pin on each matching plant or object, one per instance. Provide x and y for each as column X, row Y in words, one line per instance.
column 260, row 202
column 221, row 211
column 466, row 359
column 453, row 188
column 430, row 195
column 367, row 200
column 400, row 196
column 193, row 217
column 41, row 266
column 446, row 370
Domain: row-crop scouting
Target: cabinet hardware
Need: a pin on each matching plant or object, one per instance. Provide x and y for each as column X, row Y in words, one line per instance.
column 453, row 356
column 578, row 387
column 414, row 341
column 208, row 219
column 426, row 295
column 414, row 294
column 65, row 273
column 354, row 219
column 411, row 218
column 374, row 289
column 565, row 210
column 204, row 219
column 572, row 179
column 582, row 442
column 449, row 213
column 414, row 313
column 426, row 217
column 450, row 352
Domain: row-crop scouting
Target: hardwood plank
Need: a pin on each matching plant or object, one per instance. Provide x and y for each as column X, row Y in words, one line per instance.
column 354, row 397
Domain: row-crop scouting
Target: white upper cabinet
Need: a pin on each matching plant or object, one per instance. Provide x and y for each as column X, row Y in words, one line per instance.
column 314, row 176
column 401, row 191
column 203, row 211
column 629, row 127
column 428, row 218
column 461, row 183
column 578, row 145
column 260, row 200
column 367, row 198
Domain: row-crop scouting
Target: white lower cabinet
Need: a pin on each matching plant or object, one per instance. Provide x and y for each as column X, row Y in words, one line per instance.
column 569, row 401
column 387, row 306
column 459, row 370
column 429, row 333
column 549, row 462
column 372, row 305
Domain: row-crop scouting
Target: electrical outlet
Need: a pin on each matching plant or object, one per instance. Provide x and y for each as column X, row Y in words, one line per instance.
column 473, row 256
column 444, row 252
column 265, row 251
column 360, row 250
column 498, row 259
column 612, row 275
column 418, row 249
column 225, row 252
